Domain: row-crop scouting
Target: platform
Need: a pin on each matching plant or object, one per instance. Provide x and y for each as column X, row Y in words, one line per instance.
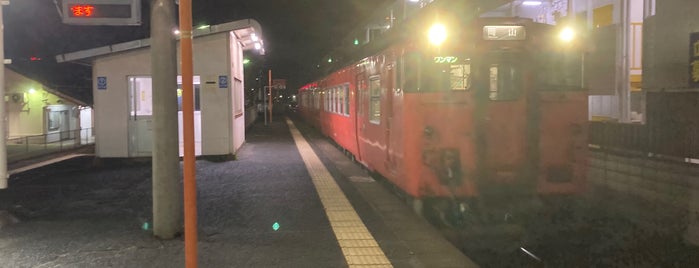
column 290, row 200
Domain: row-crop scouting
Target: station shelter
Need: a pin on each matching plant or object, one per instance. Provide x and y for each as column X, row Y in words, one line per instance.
column 122, row 91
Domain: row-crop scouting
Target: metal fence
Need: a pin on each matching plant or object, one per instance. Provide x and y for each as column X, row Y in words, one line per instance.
column 671, row 129
column 682, row 142
column 20, row 148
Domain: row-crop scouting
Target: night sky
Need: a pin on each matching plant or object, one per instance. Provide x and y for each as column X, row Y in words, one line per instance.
column 297, row 33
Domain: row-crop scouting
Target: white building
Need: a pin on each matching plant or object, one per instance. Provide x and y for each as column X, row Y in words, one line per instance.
column 122, row 91
column 39, row 114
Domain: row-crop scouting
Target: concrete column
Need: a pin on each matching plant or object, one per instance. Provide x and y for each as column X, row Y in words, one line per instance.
column 167, row 189
column 3, row 126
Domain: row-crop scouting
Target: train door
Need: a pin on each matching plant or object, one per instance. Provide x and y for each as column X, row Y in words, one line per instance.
column 373, row 123
column 359, row 103
column 503, row 121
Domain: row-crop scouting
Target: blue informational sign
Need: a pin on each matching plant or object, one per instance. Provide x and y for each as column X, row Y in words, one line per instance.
column 102, row 82
column 222, row 81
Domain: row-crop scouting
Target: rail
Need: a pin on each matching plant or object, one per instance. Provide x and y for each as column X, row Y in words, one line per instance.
column 20, row 148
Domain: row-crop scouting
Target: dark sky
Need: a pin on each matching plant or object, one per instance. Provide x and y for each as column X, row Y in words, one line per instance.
column 297, row 33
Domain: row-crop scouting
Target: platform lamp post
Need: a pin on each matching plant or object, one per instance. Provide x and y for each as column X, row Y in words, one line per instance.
column 3, row 145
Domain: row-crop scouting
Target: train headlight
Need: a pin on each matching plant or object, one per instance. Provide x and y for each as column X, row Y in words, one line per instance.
column 567, row 35
column 437, row 34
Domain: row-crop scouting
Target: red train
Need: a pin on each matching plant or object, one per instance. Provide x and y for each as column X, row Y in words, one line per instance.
column 462, row 115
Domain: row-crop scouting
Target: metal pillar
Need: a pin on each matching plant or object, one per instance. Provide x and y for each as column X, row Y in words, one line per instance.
column 167, row 193
column 623, row 90
column 190, row 183
column 3, row 123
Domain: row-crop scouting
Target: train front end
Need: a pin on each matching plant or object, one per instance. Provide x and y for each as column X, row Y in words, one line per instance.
column 496, row 117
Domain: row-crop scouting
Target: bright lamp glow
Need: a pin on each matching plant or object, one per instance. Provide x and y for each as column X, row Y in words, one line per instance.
column 437, row 34
column 32, row 91
column 254, row 37
column 258, row 46
column 567, row 34
column 531, row 3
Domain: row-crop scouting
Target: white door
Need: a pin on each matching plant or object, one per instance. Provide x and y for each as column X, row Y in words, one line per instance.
column 140, row 116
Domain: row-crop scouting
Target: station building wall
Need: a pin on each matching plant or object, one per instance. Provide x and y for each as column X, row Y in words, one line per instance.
column 212, row 58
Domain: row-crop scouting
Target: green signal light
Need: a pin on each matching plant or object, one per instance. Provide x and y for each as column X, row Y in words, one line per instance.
column 275, row 226
column 246, row 61
column 356, row 41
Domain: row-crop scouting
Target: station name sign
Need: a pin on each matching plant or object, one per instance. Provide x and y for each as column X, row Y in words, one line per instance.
column 102, row 12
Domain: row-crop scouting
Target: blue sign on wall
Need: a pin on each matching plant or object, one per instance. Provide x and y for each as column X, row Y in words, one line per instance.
column 222, row 81
column 102, row 82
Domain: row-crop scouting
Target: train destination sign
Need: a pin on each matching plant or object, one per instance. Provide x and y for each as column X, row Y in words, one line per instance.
column 504, row 32
column 102, row 12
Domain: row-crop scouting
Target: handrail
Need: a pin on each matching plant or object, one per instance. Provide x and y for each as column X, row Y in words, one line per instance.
column 29, row 146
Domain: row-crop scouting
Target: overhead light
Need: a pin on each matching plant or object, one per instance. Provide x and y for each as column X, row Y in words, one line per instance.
column 176, row 32
column 531, row 3
column 254, row 37
column 258, row 46
column 203, row 27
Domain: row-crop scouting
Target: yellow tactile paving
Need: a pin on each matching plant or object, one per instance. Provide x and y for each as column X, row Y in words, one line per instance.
column 357, row 244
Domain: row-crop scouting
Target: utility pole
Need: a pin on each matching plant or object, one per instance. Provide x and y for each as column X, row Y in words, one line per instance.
column 3, row 126
column 190, row 183
column 167, row 191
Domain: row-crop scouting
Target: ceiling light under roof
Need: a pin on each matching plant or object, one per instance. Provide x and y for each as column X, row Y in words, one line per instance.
column 531, row 3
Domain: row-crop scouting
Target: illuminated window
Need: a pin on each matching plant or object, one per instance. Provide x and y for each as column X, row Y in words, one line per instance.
column 54, row 118
column 375, row 100
column 460, row 76
column 197, row 106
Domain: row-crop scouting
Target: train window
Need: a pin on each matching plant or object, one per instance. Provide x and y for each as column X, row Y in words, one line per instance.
column 505, row 80
column 340, row 100
column 375, row 100
column 347, row 100
column 460, row 78
column 439, row 73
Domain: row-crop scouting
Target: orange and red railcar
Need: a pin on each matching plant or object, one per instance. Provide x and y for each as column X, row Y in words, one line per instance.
column 494, row 112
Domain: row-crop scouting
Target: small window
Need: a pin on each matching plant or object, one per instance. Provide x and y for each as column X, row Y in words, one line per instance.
column 505, row 82
column 375, row 100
